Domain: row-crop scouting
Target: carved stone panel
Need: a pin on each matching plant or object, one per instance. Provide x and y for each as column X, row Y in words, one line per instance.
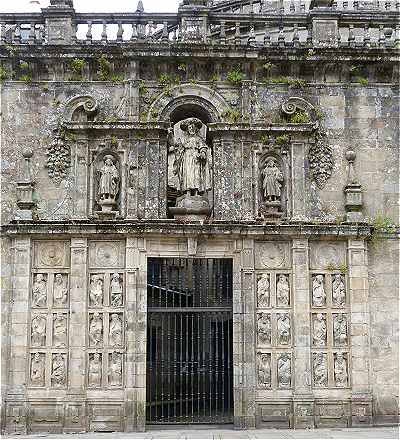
column 263, row 290
column 283, row 329
column 320, row 369
column 340, row 329
column 115, row 369
column 37, row 369
column 51, row 254
column 318, row 291
column 59, row 370
column 60, row 329
column 327, row 255
column 96, row 331
column 60, row 290
column 319, row 329
column 95, row 370
column 272, row 255
column 264, row 328
column 284, row 370
column 264, row 369
column 340, row 370
column 106, row 254
column 283, row 290
column 38, row 330
column 39, row 290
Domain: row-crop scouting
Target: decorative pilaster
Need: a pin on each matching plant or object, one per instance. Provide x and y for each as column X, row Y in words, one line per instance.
column 303, row 401
column 25, row 188
column 353, row 192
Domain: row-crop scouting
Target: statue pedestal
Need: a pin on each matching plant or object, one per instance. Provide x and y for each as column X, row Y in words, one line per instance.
column 271, row 210
column 107, row 212
column 191, row 208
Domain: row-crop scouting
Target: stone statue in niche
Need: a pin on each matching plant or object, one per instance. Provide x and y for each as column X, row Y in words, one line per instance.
column 108, row 186
column 39, row 291
column 94, row 370
column 58, row 371
column 340, row 329
column 38, row 337
column 37, row 370
column 115, row 370
column 320, row 367
column 60, row 330
column 319, row 330
column 284, row 370
column 264, row 370
column 96, row 329
column 263, row 291
column 96, row 291
column 115, row 336
column 264, row 328
column 191, row 170
column 60, row 291
column 283, row 329
column 282, row 291
column 338, row 291
column 116, row 290
column 318, row 291
column 272, row 181
column 340, row 370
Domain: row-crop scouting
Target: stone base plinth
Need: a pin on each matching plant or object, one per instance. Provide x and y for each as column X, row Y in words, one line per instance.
column 191, row 208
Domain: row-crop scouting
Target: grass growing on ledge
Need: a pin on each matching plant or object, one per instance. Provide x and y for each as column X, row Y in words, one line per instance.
column 381, row 225
column 299, row 117
column 232, row 115
column 235, row 77
column 3, row 74
column 282, row 140
column 76, row 66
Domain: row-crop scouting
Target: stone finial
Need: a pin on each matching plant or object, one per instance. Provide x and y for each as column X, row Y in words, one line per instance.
column 140, row 7
column 351, row 175
column 353, row 191
column 62, row 3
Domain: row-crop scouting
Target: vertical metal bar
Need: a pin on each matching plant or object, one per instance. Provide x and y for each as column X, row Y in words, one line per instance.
column 187, row 367
column 204, row 365
column 162, row 367
column 168, row 365
column 223, row 366
column 192, row 364
column 175, row 362
column 198, row 365
column 211, row 355
column 216, row 362
column 181, row 367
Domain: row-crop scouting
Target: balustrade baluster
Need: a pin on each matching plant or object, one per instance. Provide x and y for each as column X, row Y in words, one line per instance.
column 355, row 5
column 334, row 5
column 396, row 42
column 252, row 36
column 281, row 36
column 120, row 31
column 339, row 36
column 309, row 35
column 149, row 31
column 2, row 33
column 74, row 36
column 302, row 7
column 89, row 35
column 104, row 32
column 222, row 33
column 164, row 36
column 282, row 8
column 345, row 5
column 367, row 36
column 17, row 34
column 381, row 38
column 397, row 6
column 134, row 35
column 352, row 39
column 296, row 38
column 31, row 37
column 388, row 5
column 267, row 35
column 292, row 7
column 237, row 33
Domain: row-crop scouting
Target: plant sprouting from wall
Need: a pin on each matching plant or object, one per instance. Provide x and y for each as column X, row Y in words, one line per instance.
column 299, row 117
column 105, row 70
column 235, row 76
column 76, row 66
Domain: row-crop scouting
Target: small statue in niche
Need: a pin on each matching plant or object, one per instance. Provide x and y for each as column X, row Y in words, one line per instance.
column 95, row 373
column 264, row 328
column 37, row 370
column 38, row 336
column 59, row 291
column 319, row 330
column 284, row 370
column 340, row 370
column 272, row 181
column 320, row 370
column 58, row 371
column 340, row 329
column 108, row 184
column 264, row 369
column 318, row 291
column 263, row 291
column 282, row 291
column 39, row 291
column 115, row 370
column 338, row 291
column 115, row 330
column 60, row 330
column 96, row 291
column 283, row 329
column 116, row 290
column 96, row 329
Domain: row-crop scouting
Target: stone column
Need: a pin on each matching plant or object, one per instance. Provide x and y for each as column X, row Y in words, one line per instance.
column 303, row 401
column 76, row 420
column 359, row 333
column 16, row 406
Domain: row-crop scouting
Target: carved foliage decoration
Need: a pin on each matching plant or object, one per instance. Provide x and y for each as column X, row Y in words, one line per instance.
column 58, row 158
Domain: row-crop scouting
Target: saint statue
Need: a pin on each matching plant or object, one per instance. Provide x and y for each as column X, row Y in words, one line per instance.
column 192, row 159
column 96, row 329
column 340, row 370
column 263, row 292
column 39, row 291
column 319, row 330
column 96, row 291
column 284, row 370
column 340, row 329
column 37, row 370
column 272, row 181
column 264, row 369
column 264, row 328
column 94, row 373
column 38, row 336
column 115, row 370
column 318, row 294
column 59, row 291
column 115, row 330
column 58, row 371
column 60, row 330
column 282, row 291
column 109, row 179
column 116, row 290
column 283, row 329
column 320, row 370
column 338, row 291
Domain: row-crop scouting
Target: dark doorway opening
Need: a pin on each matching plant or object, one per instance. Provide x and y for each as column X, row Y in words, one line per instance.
column 189, row 341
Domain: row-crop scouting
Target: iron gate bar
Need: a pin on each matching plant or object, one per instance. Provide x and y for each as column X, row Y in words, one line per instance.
column 189, row 353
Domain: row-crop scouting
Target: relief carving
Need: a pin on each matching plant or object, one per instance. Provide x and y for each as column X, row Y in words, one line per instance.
column 283, row 329
column 338, row 291
column 282, row 291
column 320, row 366
column 59, row 330
column 318, row 291
column 58, row 371
column 60, row 291
column 340, row 370
column 51, row 254
column 271, row 254
column 95, row 370
column 96, row 291
column 115, row 369
column 96, row 329
column 39, row 291
column 319, row 329
column 37, row 370
column 108, row 183
column 38, row 336
column 264, row 370
column 115, row 335
column 263, row 291
column 264, row 328
column 284, row 370
column 116, row 290
column 340, row 329
column 105, row 254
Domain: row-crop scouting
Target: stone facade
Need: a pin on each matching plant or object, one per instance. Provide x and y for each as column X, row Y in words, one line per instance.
column 298, row 134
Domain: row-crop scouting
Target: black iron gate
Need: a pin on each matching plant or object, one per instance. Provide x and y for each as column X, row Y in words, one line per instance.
column 189, row 341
